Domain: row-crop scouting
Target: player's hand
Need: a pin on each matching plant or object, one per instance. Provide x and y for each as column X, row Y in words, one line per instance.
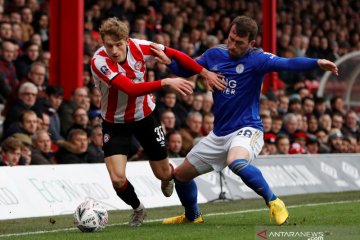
column 213, row 80
column 159, row 54
column 178, row 84
column 328, row 66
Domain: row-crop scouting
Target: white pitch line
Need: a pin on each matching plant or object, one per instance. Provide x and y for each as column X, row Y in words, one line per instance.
column 159, row 220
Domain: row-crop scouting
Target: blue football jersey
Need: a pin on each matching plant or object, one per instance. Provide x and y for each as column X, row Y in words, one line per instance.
column 238, row 105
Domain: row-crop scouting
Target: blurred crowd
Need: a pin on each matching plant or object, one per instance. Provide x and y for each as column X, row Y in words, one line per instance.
column 40, row 127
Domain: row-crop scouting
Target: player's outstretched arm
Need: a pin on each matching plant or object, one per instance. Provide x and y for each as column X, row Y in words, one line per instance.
column 211, row 79
column 328, row 66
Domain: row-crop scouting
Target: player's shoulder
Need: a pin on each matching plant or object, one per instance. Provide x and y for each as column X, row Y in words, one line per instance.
column 217, row 50
column 256, row 50
column 100, row 53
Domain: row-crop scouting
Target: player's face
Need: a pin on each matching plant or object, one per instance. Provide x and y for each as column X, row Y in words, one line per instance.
column 238, row 46
column 115, row 49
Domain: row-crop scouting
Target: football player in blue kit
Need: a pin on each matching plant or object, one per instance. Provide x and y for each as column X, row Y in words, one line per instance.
column 237, row 137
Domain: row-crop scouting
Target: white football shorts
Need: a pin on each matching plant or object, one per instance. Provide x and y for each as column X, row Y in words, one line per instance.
column 210, row 153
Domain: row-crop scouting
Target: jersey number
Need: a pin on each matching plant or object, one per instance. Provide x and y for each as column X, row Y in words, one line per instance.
column 160, row 133
column 245, row 133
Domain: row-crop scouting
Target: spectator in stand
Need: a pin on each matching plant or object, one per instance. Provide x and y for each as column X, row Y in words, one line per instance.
column 168, row 101
column 79, row 138
column 174, row 144
column 167, row 119
column 41, row 26
column 336, row 141
column 26, row 23
column 303, row 92
column 283, row 105
column 80, row 121
column 282, row 144
column 25, row 101
column 197, row 104
column 312, row 144
column 337, row 120
column 17, row 34
column 30, row 55
column 191, row 131
column 25, row 139
column 351, row 126
column 320, row 107
column 50, row 105
column 295, row 105
column 79, row 98
column 276, row 125
column 208, row 103
column 325, row 122
column 8, row 78
column 5, row 31
column 337, row 105
column 323, row 138
column 207, row 123
column 313, row 124
column 290, row 125
column 308, row 105
column 36, row 75
column 270, row 143
column 10, row 152
column 272, row 103
column 95, row 99
column 267, row 123
column 96, row 154
column 301, row 137
column 41, row 152
column 27, row 124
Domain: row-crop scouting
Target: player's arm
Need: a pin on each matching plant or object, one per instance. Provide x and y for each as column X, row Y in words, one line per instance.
column 187, row 66
column 127, row 86
column 299, row 64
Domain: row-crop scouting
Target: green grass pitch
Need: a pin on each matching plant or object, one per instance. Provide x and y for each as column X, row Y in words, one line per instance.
column 335, row 214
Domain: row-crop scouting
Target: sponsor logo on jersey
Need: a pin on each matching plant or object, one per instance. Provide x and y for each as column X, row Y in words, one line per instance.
column 239, row 68
column 138, row 65
column 215, row 68
column 105, row 70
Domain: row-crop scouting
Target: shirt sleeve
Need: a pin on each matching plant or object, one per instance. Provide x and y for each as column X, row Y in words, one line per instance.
column 125, row 85
column 272, row 63
column 183, row 59
column 100, row 67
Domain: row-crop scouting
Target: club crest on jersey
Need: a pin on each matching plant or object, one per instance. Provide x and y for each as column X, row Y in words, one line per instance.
column 239, row 68
column 105, row 70
column 138, row 65
column 106, row 137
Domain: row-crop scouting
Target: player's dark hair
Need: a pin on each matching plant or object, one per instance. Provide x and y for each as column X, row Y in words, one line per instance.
column 245, row 26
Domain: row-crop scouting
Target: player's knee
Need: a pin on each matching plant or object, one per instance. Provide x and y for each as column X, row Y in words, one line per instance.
column 163, row 175
column 117, row 180
column 180, row 177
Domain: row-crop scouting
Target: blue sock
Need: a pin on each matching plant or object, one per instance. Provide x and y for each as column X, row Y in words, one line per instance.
column 253, row 178
column 187, row 192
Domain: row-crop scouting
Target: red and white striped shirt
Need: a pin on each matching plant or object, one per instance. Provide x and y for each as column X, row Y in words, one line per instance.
column 116, row 105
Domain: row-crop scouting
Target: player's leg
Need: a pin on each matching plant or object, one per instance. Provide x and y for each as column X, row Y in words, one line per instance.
column 245, row 146
column 203, row 157
column 150, row 134
column 115, row 147
column 163, row 170
column 187, row 192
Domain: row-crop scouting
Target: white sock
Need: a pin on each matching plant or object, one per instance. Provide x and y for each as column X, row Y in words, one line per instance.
column 140, row 207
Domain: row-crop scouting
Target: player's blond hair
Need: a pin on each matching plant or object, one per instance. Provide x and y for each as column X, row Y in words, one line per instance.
column 114, row 28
